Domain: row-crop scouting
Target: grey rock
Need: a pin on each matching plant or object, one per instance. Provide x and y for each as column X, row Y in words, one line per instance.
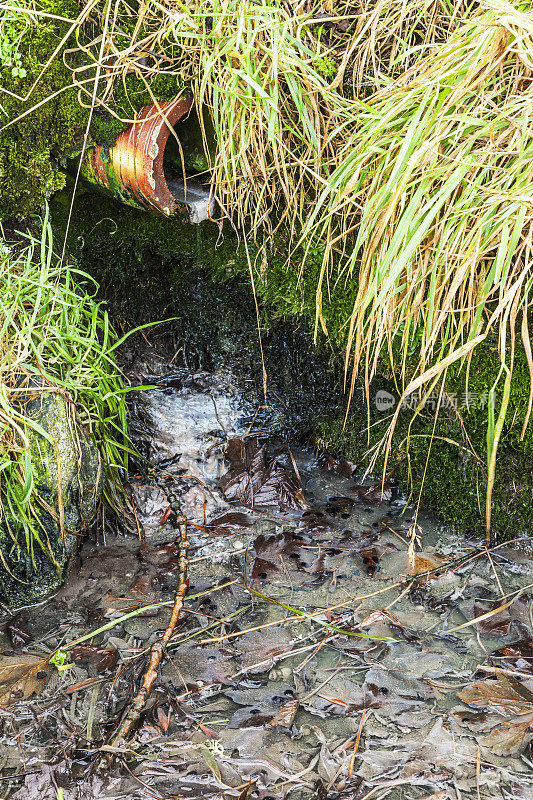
column 67, row 473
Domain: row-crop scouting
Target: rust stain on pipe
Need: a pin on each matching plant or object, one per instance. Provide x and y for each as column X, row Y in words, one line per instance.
column 132, row 170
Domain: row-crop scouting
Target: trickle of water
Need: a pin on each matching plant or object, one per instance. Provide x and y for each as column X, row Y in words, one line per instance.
column 200, row 203
column 199, row 246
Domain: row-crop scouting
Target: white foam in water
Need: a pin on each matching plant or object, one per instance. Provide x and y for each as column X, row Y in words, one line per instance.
column 201, row 204
column 186, row 428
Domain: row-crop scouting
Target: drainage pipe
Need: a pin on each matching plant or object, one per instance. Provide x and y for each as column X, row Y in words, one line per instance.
column 135, row 172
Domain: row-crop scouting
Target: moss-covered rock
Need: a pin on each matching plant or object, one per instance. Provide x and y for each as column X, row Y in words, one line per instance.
column 67, row 474
column 37, row 131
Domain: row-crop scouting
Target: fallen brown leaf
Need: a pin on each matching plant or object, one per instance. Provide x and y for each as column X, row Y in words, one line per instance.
column 285, row 716
column 21, row 677
column 505, row 696
column 518, row 655
column 254, row 480
column 377, row 493
column 101, row 657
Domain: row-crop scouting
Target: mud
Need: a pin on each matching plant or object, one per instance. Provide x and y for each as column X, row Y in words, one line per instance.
column 345, row 649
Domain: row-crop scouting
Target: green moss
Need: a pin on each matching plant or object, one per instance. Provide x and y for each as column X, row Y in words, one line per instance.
column 32, row 148
column 446, row 459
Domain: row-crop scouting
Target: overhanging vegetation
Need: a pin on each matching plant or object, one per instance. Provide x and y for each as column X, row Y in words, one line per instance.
column 393, row 139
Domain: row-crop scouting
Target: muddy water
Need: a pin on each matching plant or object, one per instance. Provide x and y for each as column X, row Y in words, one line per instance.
column 328, row 648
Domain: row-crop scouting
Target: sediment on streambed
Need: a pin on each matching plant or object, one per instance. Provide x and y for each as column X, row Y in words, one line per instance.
column 318, row 614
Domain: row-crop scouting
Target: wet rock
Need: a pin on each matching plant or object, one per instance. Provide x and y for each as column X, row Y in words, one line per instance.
column 67, row 474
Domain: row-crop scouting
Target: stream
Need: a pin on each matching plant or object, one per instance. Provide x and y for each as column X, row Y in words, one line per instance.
column 333, row 643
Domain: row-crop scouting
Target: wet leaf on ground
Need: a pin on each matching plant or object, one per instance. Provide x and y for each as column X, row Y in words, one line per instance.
column 285, row 716
column 271, row 553
column 507, row 697
column 518, row 655
column 248, row 470
column 199, row 666
column 100, row 657
column 259, row 649
column 262, row 570
column 503, row 694
column 376, row 493
column 221, row 526
column 426, row 562
column 17, row 630
column 21, row 676
column 282, row 487
column 270, row 548
column 254, row 480
column 510, row 736
column 498, row 621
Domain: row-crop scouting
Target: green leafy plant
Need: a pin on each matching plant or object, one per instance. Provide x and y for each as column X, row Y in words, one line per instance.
column 56, row 338
column 13, row 26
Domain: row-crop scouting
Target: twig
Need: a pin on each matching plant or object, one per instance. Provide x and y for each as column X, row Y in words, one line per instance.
column 156, row 652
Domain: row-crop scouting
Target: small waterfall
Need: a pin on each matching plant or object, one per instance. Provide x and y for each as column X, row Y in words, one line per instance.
column 200, row 203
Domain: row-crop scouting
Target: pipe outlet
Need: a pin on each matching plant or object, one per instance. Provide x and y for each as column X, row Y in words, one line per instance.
column 135, row 170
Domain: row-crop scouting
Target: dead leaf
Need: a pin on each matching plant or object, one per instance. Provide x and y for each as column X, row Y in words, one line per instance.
column 423, row 562
column 510, row 736
column 101, row 657
column 223, row 525
column 262, row 570
column 519, row 655
column 253, row 480
column 285, row 716
column 248, row 470
column 270, row 550
column 163, row 718
column 282, row 487
column 16, row 630
column 505, row 696
column 376, row 493
column 21, row 677
column 246, row 792
column 497, row 624
column 314, row 520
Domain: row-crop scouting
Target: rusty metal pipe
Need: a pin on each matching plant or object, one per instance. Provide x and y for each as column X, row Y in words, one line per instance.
column 132, row 170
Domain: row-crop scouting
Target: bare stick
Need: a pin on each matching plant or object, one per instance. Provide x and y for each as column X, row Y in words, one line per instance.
column 138, row 703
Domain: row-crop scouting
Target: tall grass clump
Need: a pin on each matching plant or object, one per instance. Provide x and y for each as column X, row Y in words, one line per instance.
column 435, row 181
column 54, row 338
column 394, row 136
